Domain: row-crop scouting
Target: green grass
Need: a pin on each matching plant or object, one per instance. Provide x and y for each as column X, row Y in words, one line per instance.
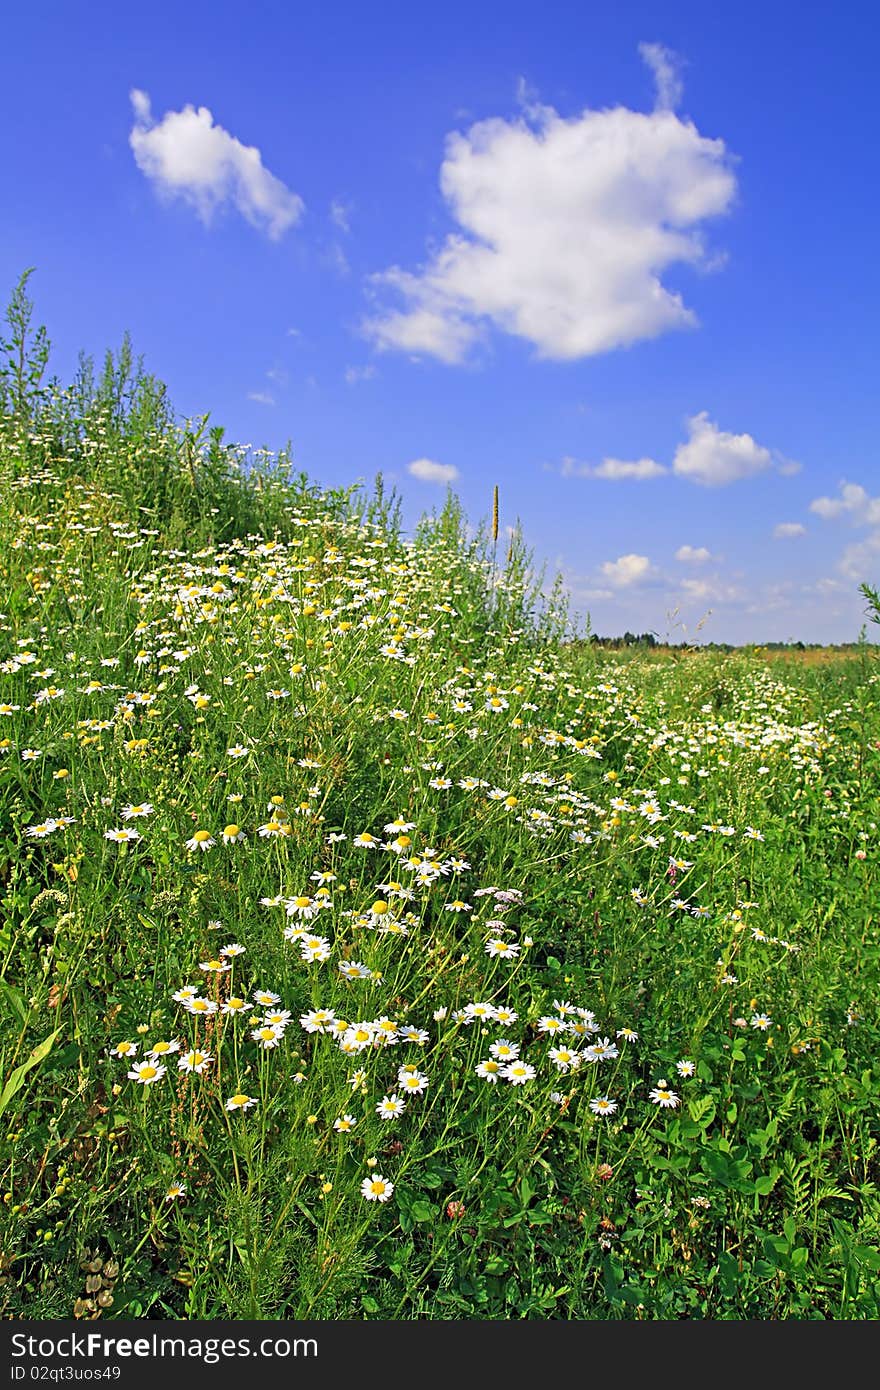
column 682, row 847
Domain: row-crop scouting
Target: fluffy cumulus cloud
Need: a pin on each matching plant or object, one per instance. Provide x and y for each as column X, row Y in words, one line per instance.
column 788, row 530
column 692, row 554
column 427, row 471
column 565, row 227
column 860, row 561
column 186, row 155
column 626, row 570
column 714, row 458
column 854, row 503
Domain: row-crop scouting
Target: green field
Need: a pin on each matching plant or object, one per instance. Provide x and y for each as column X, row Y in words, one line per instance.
column 370, row 950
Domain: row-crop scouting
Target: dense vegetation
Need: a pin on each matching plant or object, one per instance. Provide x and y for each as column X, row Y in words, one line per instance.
column 371, row 950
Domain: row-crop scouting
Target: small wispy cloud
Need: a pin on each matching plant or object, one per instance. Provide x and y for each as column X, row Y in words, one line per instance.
column 355, row 374
column 614, row 470
column 429, row 471
column 788, row 530
column 693, row 555
column 261, row 397
column 666, row 67
column 186, row 155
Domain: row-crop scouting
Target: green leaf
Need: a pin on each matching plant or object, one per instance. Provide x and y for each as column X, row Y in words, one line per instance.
column 19, row 1075
column 765, row 1184
column 423, row 1211
column 13, row 997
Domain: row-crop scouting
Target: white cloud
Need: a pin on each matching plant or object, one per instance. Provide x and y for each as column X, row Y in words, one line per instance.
column 339, row 214
column 692, row 555
column 715, row 458
column 261, row 397
column 613, row 470
column 565, row 228
column 427, row 471
column 355, row 374
column 713, row 590
column 626, row 570
column 666, row 67
column 853, row 502
column 861, row 562
column 186, row 155
column 787, row 530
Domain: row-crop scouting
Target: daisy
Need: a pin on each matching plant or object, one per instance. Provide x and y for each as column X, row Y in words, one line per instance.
column 409, row 1033
column 235, row 1005
column 603, row 1105
column 603, row 1050
column 496, row 947
column 240, row 1101
column 122, row 836
column 344, row 1124
column 268, row 1035
column 232, row 833
column 318, row 1020
column 177, row 1189
column 505, row 1016
column 518, row 1072
column 124, row 1049
column 232, row 950
column 354, row 970
column 390, row 1107
column 377, row 1188
column 162, row 1049
column 194, row 1061
column 196, row 1005
column 412, row 1081
column 505, row 1050
column 202, row 840
column 479, row 1010
column 489, row 1070
column 314, row 948
column 685, row 1067
column 565, row 1059
column 662, row 1096
column 762, row 1021
column 147, row 1072
column 628, row 1034
column 265, row 998
column 143, row 808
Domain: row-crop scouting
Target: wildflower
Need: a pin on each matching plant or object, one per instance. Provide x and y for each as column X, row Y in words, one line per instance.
column 124, row 1049
column 238, row 750
column 603, row 1105
column 390, row 1107
column 564, row 1059
column 365, row 840
column 232, row 950
column 489, row 1070
column 518, row 1072
column 215, row 967
column 182, row 996
column 628, row 1034
column 662, row 1096
column 268, row 1035
column 318, row 1020
column 478, row 1010
column 232, row 833
column 504, row 1050
column 604, row 1172
column 412, row 1080
column 147, row 1072
column 505, row 1016
column 685, row 1067
column 409, row 1033
column 143, row 808
column 196, row 1005
column 39, row 832
column 278, row 1018
column 177, row 1189
column 194, row 1061
column 235, row 1005
column 354, row 970
column 344, row 1124
column 162, row 1049
column 358, row 1079
column 552, row 1024
column 762, row 1021
column 123, row 836
column 458, row 906
column 202, row 840
column 377, row 1188
column 603, row 1050
column 30, row 755
column 314, row 948
column 240, row 1101
column 496, row 947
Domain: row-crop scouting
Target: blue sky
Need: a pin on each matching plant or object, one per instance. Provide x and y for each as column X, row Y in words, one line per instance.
column 619, row 260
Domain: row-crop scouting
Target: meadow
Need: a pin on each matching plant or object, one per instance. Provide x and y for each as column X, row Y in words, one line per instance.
column 371, row 949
